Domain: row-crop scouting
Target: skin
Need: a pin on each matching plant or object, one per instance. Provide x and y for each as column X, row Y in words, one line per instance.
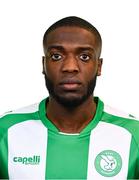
column 71, row 57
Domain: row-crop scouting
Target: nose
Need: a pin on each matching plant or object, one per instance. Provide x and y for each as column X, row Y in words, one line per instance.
column 70, row 64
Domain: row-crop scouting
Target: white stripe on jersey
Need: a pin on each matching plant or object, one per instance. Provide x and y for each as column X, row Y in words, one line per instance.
column 27, row 144
column 28, row 109
column 107, row 136
column 117, row 112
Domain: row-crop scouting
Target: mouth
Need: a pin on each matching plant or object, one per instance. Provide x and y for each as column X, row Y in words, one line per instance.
column 70, row 84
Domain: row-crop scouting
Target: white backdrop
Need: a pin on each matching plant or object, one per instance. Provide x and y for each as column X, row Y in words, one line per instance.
column 22, row 24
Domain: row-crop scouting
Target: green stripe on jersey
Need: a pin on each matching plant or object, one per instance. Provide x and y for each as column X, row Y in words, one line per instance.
column 67, row 156
column 4, row 157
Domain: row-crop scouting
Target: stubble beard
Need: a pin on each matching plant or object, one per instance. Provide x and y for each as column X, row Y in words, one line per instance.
column 70, row 103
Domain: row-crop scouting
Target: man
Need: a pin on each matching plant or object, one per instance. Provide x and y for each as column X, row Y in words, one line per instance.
column 71, row 134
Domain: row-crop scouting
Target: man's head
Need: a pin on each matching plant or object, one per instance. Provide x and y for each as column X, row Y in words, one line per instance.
column 72, row 48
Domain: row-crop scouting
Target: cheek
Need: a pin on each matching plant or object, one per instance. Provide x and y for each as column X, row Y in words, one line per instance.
column 89, row 73
column 52, row 71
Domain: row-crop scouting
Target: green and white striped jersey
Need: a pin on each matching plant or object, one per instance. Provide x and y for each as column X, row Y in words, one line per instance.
column 31, row 147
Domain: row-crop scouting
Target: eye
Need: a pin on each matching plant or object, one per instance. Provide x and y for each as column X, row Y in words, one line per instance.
column 56, row 57
column 84, row 57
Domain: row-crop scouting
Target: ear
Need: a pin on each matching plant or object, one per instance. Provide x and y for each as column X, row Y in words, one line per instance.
column 100, row 61
column 43, row 64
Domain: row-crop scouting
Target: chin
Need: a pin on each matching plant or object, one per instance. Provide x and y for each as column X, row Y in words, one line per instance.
column 70, row 101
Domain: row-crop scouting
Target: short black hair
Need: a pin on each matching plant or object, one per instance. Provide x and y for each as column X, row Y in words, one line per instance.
column 73, row 21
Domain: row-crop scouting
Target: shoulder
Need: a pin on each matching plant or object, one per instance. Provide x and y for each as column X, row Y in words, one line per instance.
column 122, row 120
column 16, row 116
column 118, row 113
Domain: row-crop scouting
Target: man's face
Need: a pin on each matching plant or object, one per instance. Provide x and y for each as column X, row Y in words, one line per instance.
column 71, row 65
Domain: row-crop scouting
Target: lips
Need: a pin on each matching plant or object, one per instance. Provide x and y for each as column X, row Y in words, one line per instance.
column 70, row 84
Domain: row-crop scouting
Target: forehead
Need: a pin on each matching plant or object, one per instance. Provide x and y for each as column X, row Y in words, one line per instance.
column 74, row 36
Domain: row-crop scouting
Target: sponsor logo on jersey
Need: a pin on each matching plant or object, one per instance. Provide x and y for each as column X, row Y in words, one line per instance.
column 108, row 163
column 34, row 160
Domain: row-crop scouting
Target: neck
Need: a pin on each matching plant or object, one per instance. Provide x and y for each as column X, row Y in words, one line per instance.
column 71, row 120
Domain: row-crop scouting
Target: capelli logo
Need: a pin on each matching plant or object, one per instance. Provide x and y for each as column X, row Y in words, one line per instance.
column 34, row 160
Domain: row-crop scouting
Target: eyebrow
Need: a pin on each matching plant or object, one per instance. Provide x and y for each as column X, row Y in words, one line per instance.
column 59, row 47
column 80, row 48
